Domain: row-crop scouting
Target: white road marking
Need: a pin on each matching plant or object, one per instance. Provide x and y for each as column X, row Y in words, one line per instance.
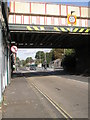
column 60, row 109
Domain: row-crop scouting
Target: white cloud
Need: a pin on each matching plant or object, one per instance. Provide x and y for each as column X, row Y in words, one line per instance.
column 24, row 53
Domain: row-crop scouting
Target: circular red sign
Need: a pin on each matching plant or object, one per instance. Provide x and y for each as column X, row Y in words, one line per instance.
column 72, row 19
column 14, row 49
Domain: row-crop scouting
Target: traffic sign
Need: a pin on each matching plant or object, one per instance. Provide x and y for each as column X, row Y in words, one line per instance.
column 14, row 49
column 72, row 19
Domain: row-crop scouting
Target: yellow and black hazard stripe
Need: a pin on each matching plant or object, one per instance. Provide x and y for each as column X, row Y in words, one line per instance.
column 81, row 30
column 59, row 29
column 74, row 29
column 36, row 28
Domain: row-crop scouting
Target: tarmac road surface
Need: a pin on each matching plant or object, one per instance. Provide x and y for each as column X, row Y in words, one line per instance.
column 46, row 94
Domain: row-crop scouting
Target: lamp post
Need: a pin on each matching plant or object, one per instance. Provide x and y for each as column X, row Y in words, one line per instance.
column 45, row 63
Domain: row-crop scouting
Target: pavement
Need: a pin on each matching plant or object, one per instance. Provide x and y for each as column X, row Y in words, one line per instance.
column 22, row 100
column 0, row 114
column 0, row 111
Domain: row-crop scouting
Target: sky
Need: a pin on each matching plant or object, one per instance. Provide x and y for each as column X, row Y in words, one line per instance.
column 74, row 2
column 24, row 53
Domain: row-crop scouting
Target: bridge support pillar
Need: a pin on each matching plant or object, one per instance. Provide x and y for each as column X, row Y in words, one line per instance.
column 82, row 60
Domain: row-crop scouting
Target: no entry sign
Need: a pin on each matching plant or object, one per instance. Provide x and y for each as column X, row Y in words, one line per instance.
column 14, row 49
column 71, row 19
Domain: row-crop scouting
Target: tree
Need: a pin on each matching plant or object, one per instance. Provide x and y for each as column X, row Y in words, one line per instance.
column 40, row 57
column 29, row 60
column 58, row 53
column 23, row 62
column 69, row 60
column 17, row 59
column 52, row 55
column 49, row 56
column 69, row 51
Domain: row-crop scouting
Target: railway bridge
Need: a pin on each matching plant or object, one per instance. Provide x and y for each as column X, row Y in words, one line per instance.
column 45, row 25
column 41, row 25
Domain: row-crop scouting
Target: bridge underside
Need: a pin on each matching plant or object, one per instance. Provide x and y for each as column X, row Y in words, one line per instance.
column 25, row 38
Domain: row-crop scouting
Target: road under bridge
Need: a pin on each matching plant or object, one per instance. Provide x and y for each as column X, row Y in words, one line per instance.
column 40, row 36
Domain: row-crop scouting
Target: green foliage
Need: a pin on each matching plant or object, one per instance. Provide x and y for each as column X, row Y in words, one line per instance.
column 69, row 60
column 23, row 62
column 69, row 51
column 50, row 56
column 40, row 57
column 29, row 60
column 17, row 59
column 58, row 53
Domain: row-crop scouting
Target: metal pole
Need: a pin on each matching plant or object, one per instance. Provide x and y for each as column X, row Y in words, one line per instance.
column 45, row 62
column 72, row 24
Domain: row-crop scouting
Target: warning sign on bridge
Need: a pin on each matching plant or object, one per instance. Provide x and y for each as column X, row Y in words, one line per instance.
column 71, row 19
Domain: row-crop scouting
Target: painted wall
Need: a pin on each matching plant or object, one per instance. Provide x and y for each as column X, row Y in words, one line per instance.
column 4, row 55
column 46, row 14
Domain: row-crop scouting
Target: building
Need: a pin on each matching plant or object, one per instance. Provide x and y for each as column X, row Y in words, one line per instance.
column 56, row 64
column 5, row 58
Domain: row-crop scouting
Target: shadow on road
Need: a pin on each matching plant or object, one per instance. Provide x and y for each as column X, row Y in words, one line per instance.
column 60, row 73
column 40, row 73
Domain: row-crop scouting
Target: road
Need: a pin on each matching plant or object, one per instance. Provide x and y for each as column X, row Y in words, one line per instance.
column 46, row 94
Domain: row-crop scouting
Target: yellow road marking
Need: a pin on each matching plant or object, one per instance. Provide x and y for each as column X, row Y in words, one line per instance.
column 29, row 28
column 36, row 28
column 60, row 109
column 55, row 28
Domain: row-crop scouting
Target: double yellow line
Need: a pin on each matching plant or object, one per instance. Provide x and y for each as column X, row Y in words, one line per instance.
column 60, row 109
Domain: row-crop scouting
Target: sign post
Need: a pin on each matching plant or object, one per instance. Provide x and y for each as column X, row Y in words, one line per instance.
column 14, row 50
column 71, row 19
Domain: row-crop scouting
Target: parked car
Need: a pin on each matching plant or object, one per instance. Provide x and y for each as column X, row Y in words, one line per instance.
column 32, row 67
